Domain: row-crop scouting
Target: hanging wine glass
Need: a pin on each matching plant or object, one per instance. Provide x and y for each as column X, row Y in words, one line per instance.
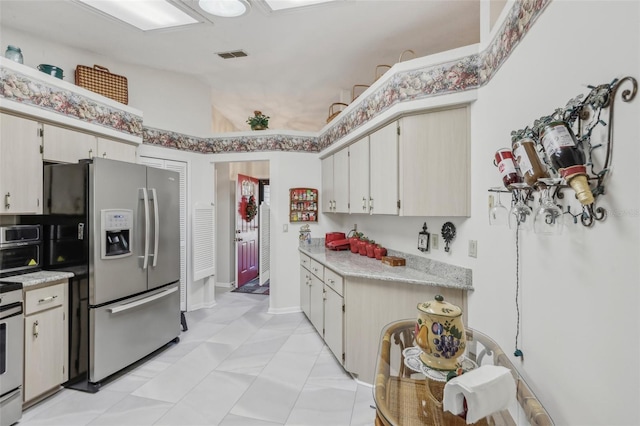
column 520, row 216
column 548, row 219
column 498, row 214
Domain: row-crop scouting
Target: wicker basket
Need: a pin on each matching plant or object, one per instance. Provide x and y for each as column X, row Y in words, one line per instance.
column 98, row 79
column 333, row 112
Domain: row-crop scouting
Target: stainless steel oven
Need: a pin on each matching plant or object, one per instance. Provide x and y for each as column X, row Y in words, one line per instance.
column 20, row 249
column 11, row 352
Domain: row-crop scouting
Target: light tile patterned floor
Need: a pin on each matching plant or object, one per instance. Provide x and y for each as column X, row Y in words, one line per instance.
column 236, row 365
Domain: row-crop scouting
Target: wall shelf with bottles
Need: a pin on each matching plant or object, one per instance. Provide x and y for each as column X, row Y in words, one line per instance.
column 303, row 205
column 571, row 148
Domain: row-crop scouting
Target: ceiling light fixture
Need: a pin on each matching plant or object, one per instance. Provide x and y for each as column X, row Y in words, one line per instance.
column 224, row 8
column 143, row 14
column 291, row 4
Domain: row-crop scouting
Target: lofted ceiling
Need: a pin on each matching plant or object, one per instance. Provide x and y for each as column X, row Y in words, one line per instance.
column 299, row 61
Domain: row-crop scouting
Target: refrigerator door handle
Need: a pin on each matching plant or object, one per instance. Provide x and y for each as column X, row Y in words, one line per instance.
column 156, row 227
column 144, row 301
column 145, row 199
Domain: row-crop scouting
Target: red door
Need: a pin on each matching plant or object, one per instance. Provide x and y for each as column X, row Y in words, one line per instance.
column 246, row 229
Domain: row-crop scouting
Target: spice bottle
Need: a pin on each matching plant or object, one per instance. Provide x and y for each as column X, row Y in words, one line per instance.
column 559, row 143
column 532, row 169
column 507, row 167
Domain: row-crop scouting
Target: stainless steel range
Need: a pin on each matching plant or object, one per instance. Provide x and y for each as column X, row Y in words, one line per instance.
column 11, row 352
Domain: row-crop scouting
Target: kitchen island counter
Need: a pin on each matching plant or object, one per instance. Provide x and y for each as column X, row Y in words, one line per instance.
column 418, row 270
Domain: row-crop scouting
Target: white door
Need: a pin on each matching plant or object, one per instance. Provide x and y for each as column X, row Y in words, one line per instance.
column 383, row 172
column 359, row 176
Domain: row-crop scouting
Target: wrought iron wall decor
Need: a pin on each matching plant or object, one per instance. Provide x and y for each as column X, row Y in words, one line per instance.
column 563, row 140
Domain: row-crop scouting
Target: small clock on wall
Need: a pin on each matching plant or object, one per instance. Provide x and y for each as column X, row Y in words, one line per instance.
column 448, row 234
column 423, row 239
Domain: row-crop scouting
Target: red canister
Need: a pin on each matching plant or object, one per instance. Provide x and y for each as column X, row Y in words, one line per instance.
column 507, row 167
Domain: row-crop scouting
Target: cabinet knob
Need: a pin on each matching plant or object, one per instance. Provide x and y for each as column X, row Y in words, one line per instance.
column 364, row 203
column 370, row 204
column 35, row 329
column 104, row 155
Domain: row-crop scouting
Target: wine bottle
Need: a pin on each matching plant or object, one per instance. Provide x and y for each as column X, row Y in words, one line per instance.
column 507, row 167
column 531, row 167
column 559, row 143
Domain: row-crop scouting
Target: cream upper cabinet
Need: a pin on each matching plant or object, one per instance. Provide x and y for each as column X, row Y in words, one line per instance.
column 434, row 163
column 341, row 181
column 115, row 150
column 326, row 196
column 359, row 176
column 20, row 165
column 67, row 146
column 335, row 183
column 383, row 170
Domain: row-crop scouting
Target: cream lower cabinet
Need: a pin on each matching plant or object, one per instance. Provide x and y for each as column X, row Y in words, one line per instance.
column 63, row 145
column 322, row 302
column 20, row 165
column 334, row 314
column 45, row 341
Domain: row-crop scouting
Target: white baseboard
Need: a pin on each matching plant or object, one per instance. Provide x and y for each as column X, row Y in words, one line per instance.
column 279, row 311
column 231, row 284
column 202, row 306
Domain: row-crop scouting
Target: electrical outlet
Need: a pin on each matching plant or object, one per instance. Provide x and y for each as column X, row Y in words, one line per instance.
column 473, row 248
column 490, row 201
column 355, row 226
column 285, row 227
column 434, row 241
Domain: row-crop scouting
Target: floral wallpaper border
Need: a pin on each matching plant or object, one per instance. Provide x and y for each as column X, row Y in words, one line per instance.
column 252, row 143
column 18, row 87
column 467, row 73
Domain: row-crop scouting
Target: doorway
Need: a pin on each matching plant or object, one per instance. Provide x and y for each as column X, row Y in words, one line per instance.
column 227, row 207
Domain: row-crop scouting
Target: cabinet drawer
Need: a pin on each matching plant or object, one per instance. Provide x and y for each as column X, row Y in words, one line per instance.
column 305, row 261
column 317, row 269
column 334, row 281
column 44, row 298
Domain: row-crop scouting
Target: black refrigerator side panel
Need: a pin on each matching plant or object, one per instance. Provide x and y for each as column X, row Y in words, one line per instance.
column 66, row 248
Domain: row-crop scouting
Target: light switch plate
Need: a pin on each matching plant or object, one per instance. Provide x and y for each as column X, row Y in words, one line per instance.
column 473, row 248
column 285, row 227
column 434, row 241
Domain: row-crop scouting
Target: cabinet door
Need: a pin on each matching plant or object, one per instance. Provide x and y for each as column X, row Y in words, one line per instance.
column 333, row 322
column 67, row 146
column 305, row 289
column 316, row 303
column 383, row 173
column 20, row 165
column 341, row 181
column 43, row 352
column 115, row 150
column 434, row 164
column 327, row 185
column 359, row 176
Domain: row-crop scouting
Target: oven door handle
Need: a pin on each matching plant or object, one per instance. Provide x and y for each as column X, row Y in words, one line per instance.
column 11, row 310
column 140, row 302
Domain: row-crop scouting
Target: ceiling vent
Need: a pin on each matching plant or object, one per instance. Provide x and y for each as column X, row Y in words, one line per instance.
column 230, row 55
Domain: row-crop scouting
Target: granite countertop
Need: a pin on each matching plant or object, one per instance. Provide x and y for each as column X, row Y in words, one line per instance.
column 349, row 264
column 35, row 278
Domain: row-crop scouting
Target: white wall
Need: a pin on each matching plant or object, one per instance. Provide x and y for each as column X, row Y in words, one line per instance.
column 580, row 322
column 169, row 101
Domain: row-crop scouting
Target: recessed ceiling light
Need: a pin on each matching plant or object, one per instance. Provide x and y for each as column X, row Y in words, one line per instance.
column 224, row 8
column 143, row 14
column 290, row 4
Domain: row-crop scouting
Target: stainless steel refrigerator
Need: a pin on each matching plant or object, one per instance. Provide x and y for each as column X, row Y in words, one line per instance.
column 115, row 225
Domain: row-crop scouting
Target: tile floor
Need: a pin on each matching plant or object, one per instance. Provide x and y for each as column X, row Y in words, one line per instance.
column 236, row 365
